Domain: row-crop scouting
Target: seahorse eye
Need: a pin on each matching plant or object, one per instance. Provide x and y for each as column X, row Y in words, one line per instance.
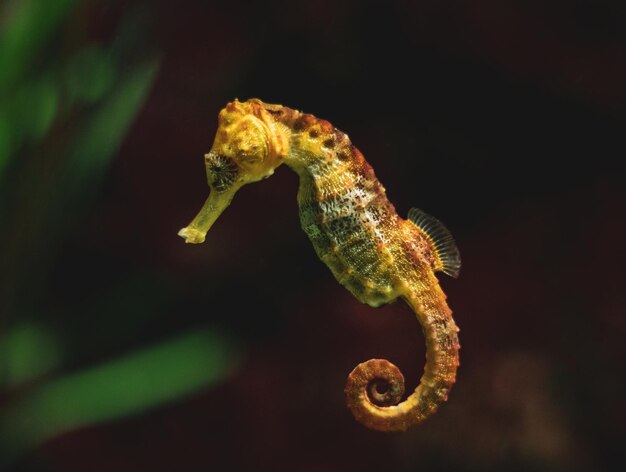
column 221, row 171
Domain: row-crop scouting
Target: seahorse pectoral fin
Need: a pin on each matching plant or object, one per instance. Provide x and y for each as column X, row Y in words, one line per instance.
column 213, row 207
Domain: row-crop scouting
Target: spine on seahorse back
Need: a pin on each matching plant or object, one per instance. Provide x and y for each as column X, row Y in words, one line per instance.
column 379, row 257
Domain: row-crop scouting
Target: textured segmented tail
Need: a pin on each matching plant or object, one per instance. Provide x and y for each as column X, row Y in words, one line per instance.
column 374, row 388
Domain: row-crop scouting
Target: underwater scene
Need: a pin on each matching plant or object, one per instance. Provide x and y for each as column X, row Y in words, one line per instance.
column 433, row 280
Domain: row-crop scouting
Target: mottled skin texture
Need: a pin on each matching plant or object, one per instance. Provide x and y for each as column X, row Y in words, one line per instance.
column 355, row 230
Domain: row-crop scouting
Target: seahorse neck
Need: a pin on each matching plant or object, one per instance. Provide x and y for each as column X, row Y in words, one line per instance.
column 322, row 156
column 308, row 160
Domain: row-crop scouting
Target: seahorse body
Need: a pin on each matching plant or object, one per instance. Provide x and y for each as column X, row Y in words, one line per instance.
column 356, row 231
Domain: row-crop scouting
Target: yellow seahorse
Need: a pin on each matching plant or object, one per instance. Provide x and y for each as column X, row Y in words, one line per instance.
column 356, row 231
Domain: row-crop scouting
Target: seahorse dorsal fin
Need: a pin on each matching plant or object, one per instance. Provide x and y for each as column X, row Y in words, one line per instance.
column 445, row 247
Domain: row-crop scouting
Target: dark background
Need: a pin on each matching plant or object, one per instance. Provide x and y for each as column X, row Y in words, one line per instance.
column 125, row 349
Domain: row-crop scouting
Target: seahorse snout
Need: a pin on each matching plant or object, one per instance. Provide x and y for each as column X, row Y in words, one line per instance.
column 191, row 235
column 213, row 207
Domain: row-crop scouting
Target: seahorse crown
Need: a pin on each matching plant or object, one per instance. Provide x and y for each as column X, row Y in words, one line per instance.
column 248, row 135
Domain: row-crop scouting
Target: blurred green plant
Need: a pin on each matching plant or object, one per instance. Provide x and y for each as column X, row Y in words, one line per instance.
column 28, row 350
column 66, row 103
column 131, row 384
column 25, row 30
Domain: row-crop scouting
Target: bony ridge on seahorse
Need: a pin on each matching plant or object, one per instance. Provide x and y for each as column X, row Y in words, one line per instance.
column 356, row 231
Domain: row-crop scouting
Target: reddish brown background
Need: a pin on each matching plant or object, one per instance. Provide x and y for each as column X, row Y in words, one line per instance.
column 502, row 118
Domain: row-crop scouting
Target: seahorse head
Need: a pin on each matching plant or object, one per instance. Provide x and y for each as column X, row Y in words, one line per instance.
column 248, row 146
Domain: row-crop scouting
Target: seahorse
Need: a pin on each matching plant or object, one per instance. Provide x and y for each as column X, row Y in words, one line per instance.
column 378, row 256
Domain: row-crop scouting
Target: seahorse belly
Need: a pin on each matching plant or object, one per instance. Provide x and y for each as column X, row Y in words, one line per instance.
column 346, row 231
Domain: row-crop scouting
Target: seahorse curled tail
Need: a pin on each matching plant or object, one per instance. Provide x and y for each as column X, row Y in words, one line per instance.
column 375, row 387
